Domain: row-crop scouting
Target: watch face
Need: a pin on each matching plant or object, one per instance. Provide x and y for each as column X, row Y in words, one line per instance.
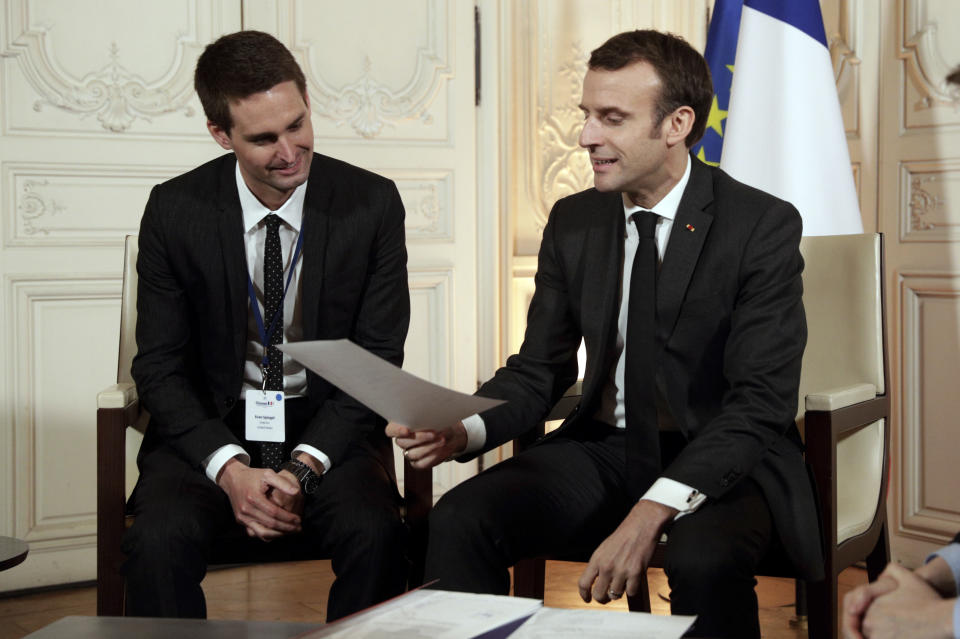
column 310, row 483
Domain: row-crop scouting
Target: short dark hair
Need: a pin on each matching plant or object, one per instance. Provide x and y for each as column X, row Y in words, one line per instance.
column 683, row 72
column 238, row 65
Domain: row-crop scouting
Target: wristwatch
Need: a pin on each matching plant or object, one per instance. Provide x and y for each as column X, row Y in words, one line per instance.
column 309, row 480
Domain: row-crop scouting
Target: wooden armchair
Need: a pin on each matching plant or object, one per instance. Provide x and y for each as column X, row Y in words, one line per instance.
column 843, row 414
column 118, row 409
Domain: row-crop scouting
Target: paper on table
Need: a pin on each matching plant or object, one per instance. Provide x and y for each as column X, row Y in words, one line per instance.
column 553, row 623
column 392, row 393
column 436, row 614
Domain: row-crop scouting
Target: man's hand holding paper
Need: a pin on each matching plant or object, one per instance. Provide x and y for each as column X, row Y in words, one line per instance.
column 427, row 448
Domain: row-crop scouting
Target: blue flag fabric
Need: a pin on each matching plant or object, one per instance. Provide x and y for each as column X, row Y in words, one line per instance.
column 720, row 52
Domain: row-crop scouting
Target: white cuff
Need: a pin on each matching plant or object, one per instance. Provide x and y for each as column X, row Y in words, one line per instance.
column 310, row 450
column 675, row 495
column 215, row 462
column 476, row 434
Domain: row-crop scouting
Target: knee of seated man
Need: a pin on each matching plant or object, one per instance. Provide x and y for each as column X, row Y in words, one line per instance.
column 706, row 557
column 372, row 525
column 456, row 513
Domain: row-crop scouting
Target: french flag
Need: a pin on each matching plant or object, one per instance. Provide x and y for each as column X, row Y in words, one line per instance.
column 784, row 133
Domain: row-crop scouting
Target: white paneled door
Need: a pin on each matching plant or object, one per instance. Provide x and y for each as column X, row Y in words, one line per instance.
column 97, row 105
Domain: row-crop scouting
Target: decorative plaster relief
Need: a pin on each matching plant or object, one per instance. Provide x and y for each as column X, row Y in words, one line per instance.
column 60, row 206
column 111, row 92
column 930, row 192
column 930, row 303
column 373, row 101
column 427, row 199
column 929, row 54
column 841, row 21
column 564, row 167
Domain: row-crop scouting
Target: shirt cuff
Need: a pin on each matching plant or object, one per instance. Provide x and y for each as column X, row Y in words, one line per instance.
column 675, row 495
column 950, row 554
column 213, row 464
column 310, row 450
column 476, row 434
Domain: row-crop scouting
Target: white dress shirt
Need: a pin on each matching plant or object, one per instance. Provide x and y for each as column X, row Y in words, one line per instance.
column 294, row 374
column 668, row 492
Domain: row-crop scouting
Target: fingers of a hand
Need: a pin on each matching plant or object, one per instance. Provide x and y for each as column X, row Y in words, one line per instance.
column 263, row 532
column 586, row 580
column 280, row 482
column 423, row 451
column 260, row 509
column 397, row 430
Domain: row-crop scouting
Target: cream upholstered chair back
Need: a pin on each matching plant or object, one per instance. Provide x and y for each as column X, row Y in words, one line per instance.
column 844, row 361
column 128, row 310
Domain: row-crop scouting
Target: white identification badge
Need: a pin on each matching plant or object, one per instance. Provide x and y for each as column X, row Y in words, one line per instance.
column 265, row 415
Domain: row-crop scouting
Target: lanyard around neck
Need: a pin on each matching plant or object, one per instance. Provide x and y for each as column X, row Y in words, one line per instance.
column 261, row 329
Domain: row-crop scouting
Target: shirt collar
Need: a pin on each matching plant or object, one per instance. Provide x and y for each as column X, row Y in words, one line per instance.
column 291, row 212
column 667, row 207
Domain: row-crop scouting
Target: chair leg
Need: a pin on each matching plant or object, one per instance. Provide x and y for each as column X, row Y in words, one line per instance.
column 528, row 578
column 640, row 602
column 879, row 557
column 822, row 608
column 111, row 433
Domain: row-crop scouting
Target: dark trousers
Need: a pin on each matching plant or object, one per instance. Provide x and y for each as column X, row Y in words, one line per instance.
column 564, row 496
column 183, row 521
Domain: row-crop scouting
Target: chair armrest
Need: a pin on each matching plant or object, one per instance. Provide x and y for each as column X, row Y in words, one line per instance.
column 836, row 398
column 117, row 396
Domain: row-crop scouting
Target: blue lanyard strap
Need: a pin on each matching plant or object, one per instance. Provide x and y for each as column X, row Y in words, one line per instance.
column 276, row 316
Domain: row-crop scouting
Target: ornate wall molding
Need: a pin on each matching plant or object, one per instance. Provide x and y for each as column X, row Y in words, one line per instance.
column 843, row 22
column 926, row 189
column 57, row 205
column 46, row 312
column 930, row 303
column 564, row 168
column 112, row 93
column 428, row 200
column 369, row 103
column 921, row 50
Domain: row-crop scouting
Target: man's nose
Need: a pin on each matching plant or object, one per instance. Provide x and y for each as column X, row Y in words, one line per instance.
column 285, row 150
column 588, row 134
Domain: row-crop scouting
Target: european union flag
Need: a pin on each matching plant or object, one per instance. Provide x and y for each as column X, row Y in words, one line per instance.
column 720, row 53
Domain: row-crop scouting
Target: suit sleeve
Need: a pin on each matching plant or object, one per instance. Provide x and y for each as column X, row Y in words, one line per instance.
column 166, row 369
column 380, row 326
column 546, row 366
column 761, row 360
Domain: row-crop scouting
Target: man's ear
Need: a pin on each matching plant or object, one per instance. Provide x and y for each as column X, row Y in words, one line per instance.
column 678, row 125
column 220, row 136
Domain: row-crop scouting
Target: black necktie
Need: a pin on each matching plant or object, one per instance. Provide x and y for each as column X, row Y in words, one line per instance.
column 272, row 452
column 643, row 444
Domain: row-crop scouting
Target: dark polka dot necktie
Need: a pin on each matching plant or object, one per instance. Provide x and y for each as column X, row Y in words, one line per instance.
column 272, row 452
column 643, row 445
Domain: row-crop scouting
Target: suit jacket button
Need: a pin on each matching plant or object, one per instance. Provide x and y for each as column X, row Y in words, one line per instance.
column 228, row 402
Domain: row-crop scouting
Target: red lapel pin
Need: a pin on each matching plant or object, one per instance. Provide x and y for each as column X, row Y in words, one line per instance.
column 690, row 228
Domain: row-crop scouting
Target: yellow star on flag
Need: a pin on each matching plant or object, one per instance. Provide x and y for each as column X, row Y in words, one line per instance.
column 703, row 158
column 717, row 115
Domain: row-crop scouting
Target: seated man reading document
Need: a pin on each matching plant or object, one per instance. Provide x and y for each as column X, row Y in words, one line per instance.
column 686, row 287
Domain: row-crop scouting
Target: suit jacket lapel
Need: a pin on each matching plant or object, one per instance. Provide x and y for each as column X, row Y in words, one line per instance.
column 316, row 220
column 690, row 229
column 600, row 297
column 230, row 222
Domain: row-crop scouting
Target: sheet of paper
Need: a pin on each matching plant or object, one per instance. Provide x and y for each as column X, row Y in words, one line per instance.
column 554, row 623
column 433, row 614
column 392, row 393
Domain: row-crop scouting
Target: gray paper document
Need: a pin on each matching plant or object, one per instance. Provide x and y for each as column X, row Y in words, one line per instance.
column 392, row 393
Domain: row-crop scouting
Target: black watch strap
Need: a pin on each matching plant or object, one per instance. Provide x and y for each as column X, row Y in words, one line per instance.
column 309, row 480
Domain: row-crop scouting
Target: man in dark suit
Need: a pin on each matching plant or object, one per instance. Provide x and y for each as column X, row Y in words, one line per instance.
column 694, row 327
column 267, row 244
